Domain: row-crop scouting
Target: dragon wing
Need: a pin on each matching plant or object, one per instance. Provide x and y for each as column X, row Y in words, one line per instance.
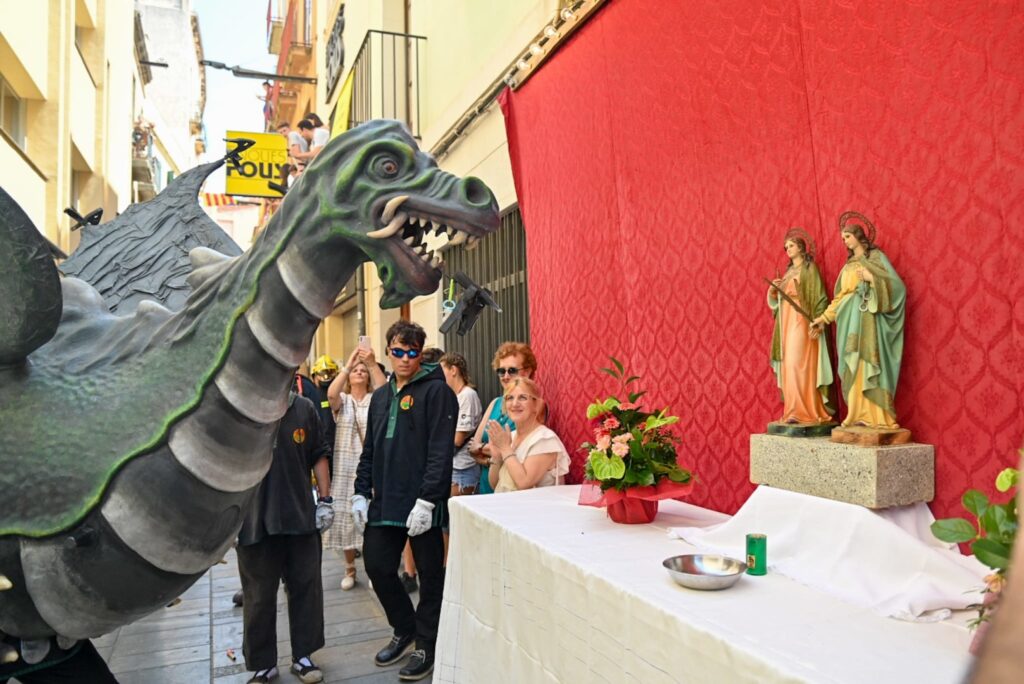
column 143, row 254
column 30, row 294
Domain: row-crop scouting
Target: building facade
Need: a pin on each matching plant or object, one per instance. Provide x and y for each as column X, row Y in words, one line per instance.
column 76, row 129
column 436, row 65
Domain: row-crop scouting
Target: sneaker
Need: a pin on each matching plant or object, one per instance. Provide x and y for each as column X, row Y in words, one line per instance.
column 421, row 664
column 263, row 676
column 307, row 671
column 409, row 582
column 348, row 582
column 394, row 650
column 237, row 598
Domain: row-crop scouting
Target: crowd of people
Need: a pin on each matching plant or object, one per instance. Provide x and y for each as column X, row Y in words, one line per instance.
column 387, row 452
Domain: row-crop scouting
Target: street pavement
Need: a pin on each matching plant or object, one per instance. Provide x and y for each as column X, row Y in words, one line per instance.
column 188, row 643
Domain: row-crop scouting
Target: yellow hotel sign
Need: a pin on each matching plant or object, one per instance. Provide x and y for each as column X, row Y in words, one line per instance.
column 260, row 163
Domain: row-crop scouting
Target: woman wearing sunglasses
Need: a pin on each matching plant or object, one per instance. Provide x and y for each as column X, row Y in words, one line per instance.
column 512, row 360
column 531, row 455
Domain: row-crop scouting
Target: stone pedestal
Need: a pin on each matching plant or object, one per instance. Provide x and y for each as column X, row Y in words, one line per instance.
column 874, row 477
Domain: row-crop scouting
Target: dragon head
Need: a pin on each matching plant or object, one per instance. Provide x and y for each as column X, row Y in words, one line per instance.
column 388, row 198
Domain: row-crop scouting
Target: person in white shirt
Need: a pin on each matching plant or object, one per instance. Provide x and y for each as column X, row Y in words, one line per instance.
column 321, row 134
column 530, row 456
column 465, row 469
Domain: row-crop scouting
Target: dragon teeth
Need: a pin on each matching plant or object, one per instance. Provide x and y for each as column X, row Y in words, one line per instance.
column 410, row 240
column 391, row 207
column 435, row 262
column 459, row 238
column 473, row 242
column 396, row 224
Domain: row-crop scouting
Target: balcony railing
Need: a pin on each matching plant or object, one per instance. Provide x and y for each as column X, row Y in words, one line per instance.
column 386, row 79
column 275, row 28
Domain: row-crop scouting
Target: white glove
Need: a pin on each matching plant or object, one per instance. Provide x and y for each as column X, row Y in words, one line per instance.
column 420, row 517
column 324, row 516
column 360, row 512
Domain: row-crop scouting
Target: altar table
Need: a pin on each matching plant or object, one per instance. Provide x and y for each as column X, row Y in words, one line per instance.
column 540, row 589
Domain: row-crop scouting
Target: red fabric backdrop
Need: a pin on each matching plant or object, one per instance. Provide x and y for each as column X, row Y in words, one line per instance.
column 662, row 153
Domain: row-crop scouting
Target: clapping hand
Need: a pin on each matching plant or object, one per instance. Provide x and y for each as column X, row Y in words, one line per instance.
column 499, row 435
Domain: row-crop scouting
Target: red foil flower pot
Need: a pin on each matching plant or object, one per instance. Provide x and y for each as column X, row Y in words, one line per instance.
column 632, row 511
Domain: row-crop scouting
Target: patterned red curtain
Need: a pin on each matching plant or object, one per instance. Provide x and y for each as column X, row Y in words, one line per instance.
column 663, row 152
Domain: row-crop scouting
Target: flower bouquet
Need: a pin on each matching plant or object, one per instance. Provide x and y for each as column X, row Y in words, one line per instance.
column 632, row 461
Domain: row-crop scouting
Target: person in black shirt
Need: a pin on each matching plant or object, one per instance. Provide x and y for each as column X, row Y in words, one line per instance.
column 280, row 540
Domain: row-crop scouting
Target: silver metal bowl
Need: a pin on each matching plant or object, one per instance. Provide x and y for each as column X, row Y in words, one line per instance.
column 705, row 571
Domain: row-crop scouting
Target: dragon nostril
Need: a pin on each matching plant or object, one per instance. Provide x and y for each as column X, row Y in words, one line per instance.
column 475, row 192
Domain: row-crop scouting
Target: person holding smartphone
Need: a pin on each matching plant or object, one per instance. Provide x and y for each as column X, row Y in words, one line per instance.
column 349, row 397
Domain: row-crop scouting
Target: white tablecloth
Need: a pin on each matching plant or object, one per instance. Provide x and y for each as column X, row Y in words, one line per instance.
column 540, row 589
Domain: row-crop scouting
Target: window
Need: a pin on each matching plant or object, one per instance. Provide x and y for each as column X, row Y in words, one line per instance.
column 12, row 113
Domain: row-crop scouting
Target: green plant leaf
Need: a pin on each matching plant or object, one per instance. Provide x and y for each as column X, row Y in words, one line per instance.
column 995, row 555
column 954, row 530
column 631, row 378
column 636, row 395
column 607, row 467
column 680, row 475
column 1007, row 479
column 997, row 524
column 610, row 372
column 975, row 502
column 618, row 365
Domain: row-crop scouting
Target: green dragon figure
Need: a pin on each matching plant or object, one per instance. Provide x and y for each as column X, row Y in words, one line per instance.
column 131, row 445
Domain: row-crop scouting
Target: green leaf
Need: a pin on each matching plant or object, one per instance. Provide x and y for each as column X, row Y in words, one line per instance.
column 610, row 372
column 680, row 475
column 607, row 467
column 995, row 522
column 631, row 378
column 633, row 396
column 954, row 530
column 1007, row 479
column 594, row 410
column 975, row 502
column 618, row 364
column 995, row 555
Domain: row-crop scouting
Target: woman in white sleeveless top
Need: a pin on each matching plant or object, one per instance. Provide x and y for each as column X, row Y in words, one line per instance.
column 530, row 456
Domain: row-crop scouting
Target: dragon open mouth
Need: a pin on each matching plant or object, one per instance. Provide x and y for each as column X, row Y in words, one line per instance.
column 413, row 226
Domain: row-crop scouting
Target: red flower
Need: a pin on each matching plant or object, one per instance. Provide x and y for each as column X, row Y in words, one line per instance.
column 611, row 422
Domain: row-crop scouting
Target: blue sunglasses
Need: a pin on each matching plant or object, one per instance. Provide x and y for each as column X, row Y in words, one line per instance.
column 402, row 353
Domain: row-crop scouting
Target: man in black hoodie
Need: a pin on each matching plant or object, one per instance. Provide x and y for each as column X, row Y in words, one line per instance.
column 401, row 493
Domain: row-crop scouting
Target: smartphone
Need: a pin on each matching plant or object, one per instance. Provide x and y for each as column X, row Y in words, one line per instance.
column 364, row 341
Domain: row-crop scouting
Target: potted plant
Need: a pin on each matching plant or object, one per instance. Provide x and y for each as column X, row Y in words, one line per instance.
column 990, row 539
column 632, row 462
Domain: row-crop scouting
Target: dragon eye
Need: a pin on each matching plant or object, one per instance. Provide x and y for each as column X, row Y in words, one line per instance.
column 386, row 166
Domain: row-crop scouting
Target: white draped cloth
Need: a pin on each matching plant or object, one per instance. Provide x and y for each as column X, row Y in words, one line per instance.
column 886, row 560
